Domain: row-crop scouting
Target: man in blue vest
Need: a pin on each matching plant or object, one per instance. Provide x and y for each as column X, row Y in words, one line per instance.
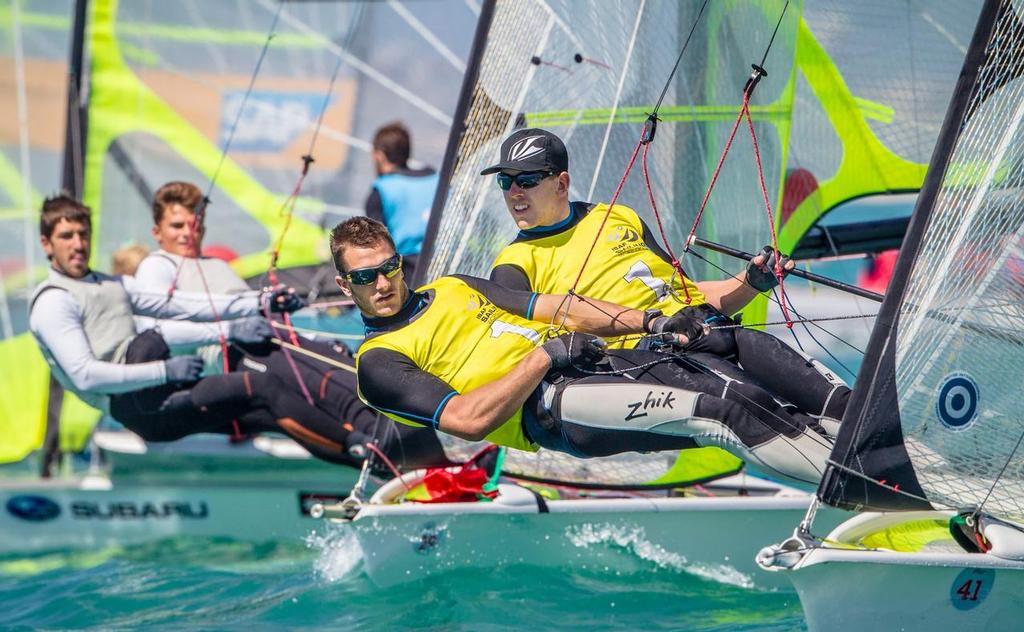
column 401, row 197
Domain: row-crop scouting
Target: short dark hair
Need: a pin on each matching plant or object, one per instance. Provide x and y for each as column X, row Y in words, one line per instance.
column 393, row 141
column 183, row 193
column 62, row 206
column 362, row 232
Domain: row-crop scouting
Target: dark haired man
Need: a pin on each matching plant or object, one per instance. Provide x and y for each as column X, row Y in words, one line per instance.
column 401, row 197
column 628, row 267
column 178, row 263
column 474, row 359
column 83, row 322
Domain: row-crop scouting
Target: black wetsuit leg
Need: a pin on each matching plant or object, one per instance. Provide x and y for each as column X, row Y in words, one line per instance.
column 333, row 391
column 673, row 403
column 259, row 402
column 783, row 370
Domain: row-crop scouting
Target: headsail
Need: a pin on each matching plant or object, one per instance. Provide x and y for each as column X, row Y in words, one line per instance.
column 936, row 415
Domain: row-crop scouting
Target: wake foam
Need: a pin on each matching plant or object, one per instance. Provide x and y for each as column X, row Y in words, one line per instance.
column 634, row 540
column 339, row 553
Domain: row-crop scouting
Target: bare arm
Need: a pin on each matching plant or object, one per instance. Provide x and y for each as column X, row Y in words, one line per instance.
column 732, row 295
column 588, row 315
column 392, row 383
column 476, row 414
column 728, row 295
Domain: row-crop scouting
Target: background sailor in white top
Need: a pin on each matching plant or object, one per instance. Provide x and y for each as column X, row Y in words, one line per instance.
column 178, row 262
column 82, row 320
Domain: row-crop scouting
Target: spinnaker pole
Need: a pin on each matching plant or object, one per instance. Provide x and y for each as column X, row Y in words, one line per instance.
column 810, row 276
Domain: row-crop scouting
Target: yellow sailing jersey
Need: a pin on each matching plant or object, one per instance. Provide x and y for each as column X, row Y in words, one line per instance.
column 460, row 337
column 623, row 267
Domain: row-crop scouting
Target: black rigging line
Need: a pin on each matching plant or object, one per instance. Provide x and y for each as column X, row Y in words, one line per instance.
column 774, row 33
column 799, row 316
column 1009, row 459
column 668, row 82
column 238, row 115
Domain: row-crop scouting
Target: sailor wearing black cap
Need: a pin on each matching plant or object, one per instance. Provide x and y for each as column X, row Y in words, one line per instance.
column 625, row 265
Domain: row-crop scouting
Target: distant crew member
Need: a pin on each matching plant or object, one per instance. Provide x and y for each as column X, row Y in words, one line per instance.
column 126, row 259
column 177, row 262
column 401, row 197
column 475, row 360
column 628, row 267
column 83, row 323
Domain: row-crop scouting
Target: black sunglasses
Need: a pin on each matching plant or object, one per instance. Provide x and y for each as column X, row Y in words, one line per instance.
column 525, row 180
column 366, row 276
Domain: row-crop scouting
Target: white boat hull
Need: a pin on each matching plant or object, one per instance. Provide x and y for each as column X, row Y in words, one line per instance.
column 716, row 538
column 205, row 487
column 870, row 589
column 874, row 590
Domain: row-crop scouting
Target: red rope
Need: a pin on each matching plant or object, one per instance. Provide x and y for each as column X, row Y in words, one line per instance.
column 771, row 218
column 608, row 212
column 718, row 170
column 391, row 466
column 661, row 229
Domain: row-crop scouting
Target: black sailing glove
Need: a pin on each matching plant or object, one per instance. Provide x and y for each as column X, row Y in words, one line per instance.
column 574, row 348
column 679, row 323
column 762, row 277
column 183, row 369
column 251, row 330
column 283, row 299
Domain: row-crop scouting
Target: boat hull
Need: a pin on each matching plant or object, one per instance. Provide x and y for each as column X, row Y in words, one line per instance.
column 863, row 590
column 930, row 583
column 203, row 486
column 715, row 538
column 38, row 516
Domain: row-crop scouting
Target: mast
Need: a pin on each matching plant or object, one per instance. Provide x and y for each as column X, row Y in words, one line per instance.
column 75, row 129
column 72, row 183
column 483, row 27
column 870, row 445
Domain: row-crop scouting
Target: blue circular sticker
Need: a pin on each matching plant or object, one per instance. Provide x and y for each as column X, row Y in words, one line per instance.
column 971, row 587
column 957, row 405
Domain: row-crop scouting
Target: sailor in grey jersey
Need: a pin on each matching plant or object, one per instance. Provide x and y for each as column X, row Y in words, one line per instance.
column 161, row 270
column 83, row 322
column 85, row 325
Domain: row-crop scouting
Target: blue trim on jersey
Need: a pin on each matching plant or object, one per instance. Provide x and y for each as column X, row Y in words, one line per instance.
column 436, row 422
column 407, row 311
column 529, row 308
column 540, row 230
column 433, row 422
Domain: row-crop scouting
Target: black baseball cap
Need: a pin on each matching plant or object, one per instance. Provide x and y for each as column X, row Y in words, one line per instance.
column 531, row 150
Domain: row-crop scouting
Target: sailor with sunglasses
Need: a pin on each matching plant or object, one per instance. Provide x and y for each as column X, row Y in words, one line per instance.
column 627, row 266
column 481, row 362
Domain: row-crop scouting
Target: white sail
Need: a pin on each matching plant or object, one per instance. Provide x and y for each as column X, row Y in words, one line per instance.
column 590, row 72
column 960, row 348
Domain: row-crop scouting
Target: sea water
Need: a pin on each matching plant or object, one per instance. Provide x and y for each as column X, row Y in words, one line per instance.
column 319, row 583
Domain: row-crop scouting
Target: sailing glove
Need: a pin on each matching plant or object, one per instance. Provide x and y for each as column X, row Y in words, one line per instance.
column 762, row 277
column 250, row 330
column 574, row 348
column 679, row 323
column 283, row 299
column 182, row 369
